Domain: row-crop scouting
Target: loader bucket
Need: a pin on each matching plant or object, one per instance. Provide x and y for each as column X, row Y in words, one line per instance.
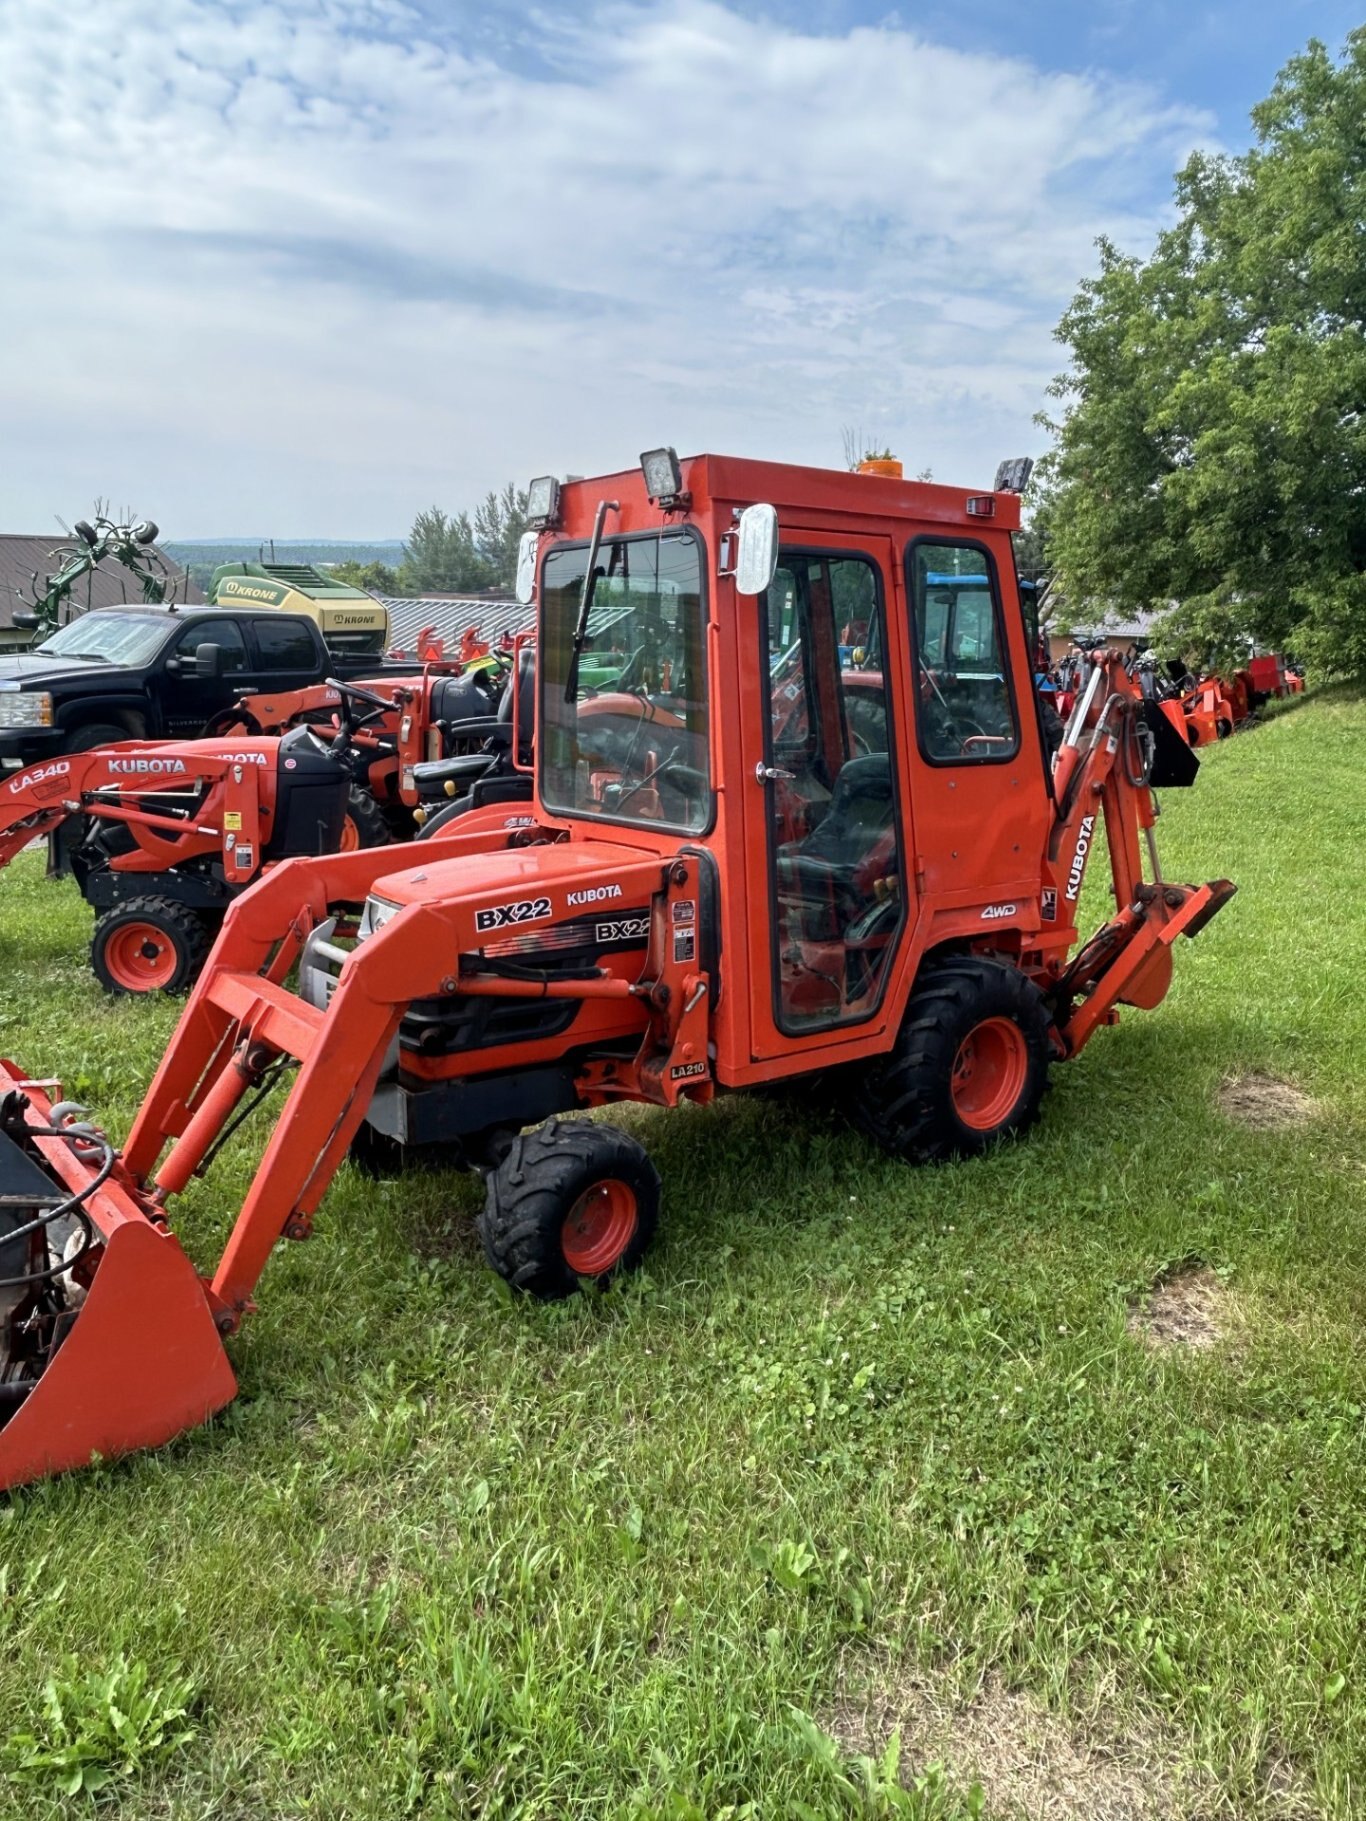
column 134, row 1363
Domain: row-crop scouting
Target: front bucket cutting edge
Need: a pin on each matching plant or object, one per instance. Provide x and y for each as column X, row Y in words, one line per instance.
column 140, row 1359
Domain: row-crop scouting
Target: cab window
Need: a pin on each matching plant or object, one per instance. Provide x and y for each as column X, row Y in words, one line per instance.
column 223, row 633
column 965, row 710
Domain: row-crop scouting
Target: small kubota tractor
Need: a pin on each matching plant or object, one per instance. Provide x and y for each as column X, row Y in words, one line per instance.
column 429, row 747
column 725, row 878
column 171, row 832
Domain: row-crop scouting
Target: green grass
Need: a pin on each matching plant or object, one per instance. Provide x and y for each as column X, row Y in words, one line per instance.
column 455, row 1554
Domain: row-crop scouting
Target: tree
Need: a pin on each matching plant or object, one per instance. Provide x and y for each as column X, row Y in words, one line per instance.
column 498, row 527
column 454, row 554
column 375, row 578
column 1210, row 458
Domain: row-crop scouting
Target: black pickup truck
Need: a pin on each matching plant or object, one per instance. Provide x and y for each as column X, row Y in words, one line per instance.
column 135, row 673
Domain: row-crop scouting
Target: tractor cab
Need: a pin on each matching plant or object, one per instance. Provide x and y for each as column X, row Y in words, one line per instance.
column 818, row 725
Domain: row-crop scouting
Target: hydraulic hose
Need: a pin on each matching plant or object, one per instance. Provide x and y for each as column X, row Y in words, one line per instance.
column 74, row 1205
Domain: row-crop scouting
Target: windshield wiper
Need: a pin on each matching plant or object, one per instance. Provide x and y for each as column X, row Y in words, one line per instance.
column 590, row 582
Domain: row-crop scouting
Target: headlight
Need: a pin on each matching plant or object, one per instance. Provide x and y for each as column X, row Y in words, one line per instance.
column 31, row 709
column 376, row 914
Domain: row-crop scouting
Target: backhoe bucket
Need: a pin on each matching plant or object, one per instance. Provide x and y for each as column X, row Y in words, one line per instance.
column 127, row 1364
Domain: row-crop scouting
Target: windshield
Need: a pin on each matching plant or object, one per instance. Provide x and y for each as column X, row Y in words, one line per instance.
column 633, row 744
column 117, row 638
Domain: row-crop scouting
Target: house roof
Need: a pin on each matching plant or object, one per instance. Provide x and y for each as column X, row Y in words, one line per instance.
column 452, row 615
column 111, row 585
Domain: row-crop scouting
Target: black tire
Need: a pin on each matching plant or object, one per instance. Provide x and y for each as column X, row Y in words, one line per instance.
column 367, row 818
column 383, row 1158
column 182, row 942
column 909, row 1101
column 549, row 1174
column 230, row 721
column 95, row 733
column 448, row 813
column 70, row 834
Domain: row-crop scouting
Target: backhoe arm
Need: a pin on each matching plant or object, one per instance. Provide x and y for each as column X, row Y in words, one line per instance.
column 1103, row 775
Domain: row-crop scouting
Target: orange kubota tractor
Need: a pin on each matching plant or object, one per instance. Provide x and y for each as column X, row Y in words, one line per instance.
column 724, row 879
column 437, row 744
column 169, row 832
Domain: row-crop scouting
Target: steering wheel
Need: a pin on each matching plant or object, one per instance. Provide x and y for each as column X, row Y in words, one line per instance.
column 231, row 720
column 382, row 704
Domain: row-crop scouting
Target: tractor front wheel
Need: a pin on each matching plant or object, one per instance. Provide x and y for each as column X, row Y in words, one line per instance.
column 571, row 1200
column 364, row 825
column 148, row 945
column 970, row 1064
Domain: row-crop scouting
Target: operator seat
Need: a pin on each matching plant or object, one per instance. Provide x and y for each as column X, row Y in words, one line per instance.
column 496, row 733
column 817, row 874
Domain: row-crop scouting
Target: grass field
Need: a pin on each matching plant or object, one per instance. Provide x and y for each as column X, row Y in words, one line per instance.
column 864, row 1500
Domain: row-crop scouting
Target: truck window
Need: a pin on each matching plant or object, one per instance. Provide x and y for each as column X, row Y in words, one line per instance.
column 224, row 633
column 285, row 645
column 964, row 707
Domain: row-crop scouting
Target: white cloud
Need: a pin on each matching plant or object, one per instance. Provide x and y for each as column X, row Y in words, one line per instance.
column 304, row 266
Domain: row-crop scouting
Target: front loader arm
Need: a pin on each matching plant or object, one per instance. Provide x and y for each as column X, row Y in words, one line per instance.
column 262, row 937
column 1102, row 776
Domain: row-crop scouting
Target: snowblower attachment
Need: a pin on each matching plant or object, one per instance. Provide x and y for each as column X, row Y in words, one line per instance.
column 107, row 1336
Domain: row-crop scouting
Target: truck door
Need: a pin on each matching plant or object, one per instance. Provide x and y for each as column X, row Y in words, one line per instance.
column 828, row 825
column 287, row 655
column 188, row 699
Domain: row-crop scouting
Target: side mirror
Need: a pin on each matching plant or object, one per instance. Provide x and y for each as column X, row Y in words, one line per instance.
column 526, row 567
column 756, row 560
column 26, row 622
column 208, row 661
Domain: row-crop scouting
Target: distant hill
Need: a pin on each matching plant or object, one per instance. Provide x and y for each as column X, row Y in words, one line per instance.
column 201, row 556
column 297, row 550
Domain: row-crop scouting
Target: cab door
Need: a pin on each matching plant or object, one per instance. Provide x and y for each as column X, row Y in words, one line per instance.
column 826, row 824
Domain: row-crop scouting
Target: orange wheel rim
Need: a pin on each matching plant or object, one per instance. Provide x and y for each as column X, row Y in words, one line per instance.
column 350, row 835
column 989, row 1073
column 140, row 957
column 599, row 1227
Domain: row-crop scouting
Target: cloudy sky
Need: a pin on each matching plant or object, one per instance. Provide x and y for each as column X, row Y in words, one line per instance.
column 301, row 268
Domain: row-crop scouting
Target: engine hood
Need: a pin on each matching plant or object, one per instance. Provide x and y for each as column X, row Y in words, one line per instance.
column 527, row 884
column 41, row 669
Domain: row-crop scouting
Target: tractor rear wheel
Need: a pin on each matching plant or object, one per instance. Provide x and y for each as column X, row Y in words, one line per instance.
column 148, row 945
column 970, row 1064
column 571, row 1200
column 364, row 825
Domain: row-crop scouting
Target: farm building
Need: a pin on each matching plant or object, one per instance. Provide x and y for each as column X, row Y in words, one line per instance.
column 450, row 616
column 1129, row 633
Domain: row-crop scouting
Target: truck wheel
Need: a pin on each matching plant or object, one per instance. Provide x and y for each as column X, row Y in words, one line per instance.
column 99, row 733
column 970, row 1064
column 148, row 945
column 570, row 1200
column 364, row 825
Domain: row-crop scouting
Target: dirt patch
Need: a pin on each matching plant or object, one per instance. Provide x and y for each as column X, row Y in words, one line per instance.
column 1185, row 1308
column 1030, row 1763
column 1034, row 1765
column 1265, row 1104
